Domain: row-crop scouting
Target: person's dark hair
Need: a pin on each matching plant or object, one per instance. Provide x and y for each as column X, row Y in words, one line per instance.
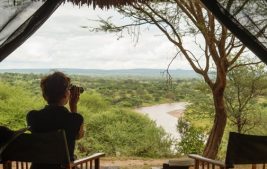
column 54, row 87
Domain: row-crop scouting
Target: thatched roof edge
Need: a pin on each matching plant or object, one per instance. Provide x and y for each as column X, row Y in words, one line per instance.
column 104, row 3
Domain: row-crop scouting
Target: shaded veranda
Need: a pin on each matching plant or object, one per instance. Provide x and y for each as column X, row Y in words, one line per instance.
column 12, row 42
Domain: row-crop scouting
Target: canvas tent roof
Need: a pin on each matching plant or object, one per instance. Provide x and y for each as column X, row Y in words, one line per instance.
column 19, row 19
column 247, row 19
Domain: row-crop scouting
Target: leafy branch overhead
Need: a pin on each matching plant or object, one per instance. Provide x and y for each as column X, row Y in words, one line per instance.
column 106, row 25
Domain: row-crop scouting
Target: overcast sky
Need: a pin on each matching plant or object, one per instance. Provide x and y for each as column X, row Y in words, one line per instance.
column 62, row 43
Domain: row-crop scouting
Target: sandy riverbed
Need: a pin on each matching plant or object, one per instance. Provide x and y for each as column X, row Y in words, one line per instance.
column 165, row 115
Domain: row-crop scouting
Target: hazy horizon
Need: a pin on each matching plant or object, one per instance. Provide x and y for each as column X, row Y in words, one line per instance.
column 47, row 68
column 146, row 72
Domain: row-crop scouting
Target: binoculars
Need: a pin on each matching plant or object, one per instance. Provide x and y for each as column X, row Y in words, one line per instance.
column 72, row 87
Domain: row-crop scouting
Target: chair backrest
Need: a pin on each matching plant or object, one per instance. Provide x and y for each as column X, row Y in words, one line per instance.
column 48, row 148
column 246, row 149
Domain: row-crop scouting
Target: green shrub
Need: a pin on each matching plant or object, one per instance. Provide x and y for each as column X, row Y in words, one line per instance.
column 123, row 132
column 15, row 102
column 93, row 102
column 192, row 138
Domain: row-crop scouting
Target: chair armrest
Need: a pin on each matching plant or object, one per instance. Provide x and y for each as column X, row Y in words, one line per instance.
column 202, row 159
column 92, row 161
column 89, row 158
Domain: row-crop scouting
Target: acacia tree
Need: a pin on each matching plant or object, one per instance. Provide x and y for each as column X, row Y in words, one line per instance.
column 215, row 48
column 245, row 85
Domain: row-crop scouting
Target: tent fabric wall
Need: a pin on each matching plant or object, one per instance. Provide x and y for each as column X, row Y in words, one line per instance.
column 23, row 31
column 243, row 27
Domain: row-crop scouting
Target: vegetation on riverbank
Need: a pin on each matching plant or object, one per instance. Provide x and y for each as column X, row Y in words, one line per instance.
column 107, row 105
column 245, row 100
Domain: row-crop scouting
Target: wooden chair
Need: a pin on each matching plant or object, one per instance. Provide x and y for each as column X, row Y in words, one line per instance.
column 241, row 149
column 49, row 148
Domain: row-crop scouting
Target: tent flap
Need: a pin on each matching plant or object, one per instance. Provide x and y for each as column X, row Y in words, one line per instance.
column 22, row 22
column 247, row 20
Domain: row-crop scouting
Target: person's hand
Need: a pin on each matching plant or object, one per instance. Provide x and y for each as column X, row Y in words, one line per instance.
column 74, row 98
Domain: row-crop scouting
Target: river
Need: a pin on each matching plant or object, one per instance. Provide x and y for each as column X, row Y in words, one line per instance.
column 165, row 116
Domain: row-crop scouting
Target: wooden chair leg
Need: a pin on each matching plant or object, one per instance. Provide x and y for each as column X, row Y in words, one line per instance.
column 254, row 166
column 7, row 165
column 196, row 164
column 97, row 163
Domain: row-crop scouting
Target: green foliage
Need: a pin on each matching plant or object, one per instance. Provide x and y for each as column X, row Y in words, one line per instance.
column 201, row 106
column 192, row 138
column 245, row 85
column 15, row 102
column 244, row 98
column 92, row 102
column 126, row 133
column 130, row 92
column 109, row 127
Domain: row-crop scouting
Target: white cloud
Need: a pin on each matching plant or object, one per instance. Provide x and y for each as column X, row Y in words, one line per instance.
column 62, row 43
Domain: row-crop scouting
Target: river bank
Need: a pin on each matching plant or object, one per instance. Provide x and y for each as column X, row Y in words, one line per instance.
column 165, row 115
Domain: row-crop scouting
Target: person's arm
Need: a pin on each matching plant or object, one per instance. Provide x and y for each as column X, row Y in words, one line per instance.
column 74, row 98
column 81, row 132
column 29, row 120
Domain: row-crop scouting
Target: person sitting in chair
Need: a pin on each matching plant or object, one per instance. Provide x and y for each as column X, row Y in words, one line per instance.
column 57, row 91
